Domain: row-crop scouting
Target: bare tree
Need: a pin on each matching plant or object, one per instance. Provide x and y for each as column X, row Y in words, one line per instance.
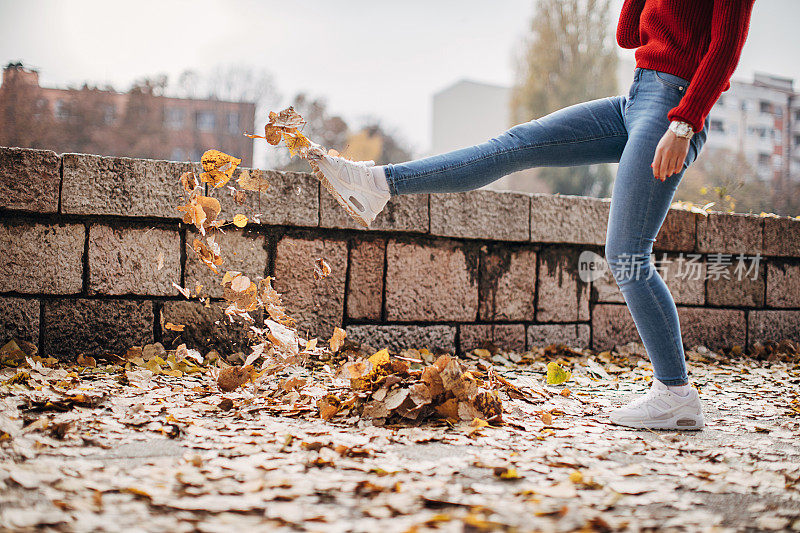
column 233, row 83
column 725, row 178
column 569, row 57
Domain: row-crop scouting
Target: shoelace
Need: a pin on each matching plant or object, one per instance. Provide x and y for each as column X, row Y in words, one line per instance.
column 642, row 399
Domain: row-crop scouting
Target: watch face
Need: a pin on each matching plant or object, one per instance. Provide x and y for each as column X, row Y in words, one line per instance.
column 681, row 129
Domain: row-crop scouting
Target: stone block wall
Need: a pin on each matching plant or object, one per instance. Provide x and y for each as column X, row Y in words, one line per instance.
column 93, row 248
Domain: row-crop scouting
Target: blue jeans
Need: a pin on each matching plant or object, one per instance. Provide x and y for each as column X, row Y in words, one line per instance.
column 620, row 129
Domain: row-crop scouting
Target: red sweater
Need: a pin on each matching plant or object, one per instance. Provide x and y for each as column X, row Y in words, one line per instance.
column 699, row 40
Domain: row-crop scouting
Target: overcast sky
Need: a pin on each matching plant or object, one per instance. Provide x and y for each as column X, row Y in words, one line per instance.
column 367, row 58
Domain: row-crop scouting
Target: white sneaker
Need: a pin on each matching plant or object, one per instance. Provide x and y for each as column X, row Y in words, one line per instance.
column 351, row 183
column 660, row 408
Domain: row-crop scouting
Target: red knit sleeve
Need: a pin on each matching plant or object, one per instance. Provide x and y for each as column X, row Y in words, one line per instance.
column 628, row 25
column 730, row 22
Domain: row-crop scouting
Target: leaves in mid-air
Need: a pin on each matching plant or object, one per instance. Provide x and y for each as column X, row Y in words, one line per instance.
column 218, row 167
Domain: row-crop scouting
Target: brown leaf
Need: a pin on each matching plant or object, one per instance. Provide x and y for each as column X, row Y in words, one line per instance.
column 461, row 384
column 226, row 404
column 233, row 377
column 188, row 181
column 431, row 378
column 206, row 255
column 328, row 406
column 448, row 409
column 337, row 339
column 60, row 429
column 395, row 398
column 420, row 394
column 466, row 411
column 488, row 403
column 86, row 361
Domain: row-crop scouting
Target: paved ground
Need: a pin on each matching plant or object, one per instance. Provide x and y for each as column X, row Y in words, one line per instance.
column 158, row 454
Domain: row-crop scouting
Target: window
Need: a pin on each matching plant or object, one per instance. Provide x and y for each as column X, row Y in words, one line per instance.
column 195, row 155
column 764, row 159
column 173, row 118
column 797, row 115
column 109, row 114
column 177, row 154
column 233, row 123
column 721, row 101
column 765, row 107
column 717, row 125
column 61, row 110
column 797, row 140
column 205, row 121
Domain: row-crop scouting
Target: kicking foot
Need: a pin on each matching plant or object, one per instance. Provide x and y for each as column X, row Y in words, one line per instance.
column 353, row 186
column 660, row 408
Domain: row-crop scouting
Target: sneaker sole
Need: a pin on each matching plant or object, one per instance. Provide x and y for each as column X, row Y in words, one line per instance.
column 344, row 203
column 682, row 422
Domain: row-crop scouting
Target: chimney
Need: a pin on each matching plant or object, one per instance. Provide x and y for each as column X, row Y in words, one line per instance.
column 15, row 72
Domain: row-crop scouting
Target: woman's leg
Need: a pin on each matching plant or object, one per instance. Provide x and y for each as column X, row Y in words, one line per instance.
column 639, row 206
column 586, row 133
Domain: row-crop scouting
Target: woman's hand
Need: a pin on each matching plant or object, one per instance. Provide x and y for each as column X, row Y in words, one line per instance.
column 670, row 155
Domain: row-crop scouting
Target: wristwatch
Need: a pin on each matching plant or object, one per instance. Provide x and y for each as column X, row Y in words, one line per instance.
column 681, row 129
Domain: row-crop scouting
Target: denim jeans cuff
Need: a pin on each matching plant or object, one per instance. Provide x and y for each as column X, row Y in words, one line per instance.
column 675, row 381
column 390, row 180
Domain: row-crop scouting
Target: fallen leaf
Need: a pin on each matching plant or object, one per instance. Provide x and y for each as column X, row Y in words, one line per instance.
column 233, row 377
column 337, row 339
column 86, row 361
column 556, row 374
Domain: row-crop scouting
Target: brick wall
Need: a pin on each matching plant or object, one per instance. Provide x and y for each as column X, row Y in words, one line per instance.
column 83, row 237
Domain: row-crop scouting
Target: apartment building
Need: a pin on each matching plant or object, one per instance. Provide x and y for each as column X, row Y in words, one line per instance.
column 137, row 123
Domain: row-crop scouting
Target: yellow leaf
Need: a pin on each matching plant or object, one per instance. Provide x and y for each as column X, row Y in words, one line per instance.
column 218, row 167
column 296, row 143
column 476, row 425
column 174, row 327
column 240, row 221
column 556, row 374
column 503, row 472
column 378, row 358
column 483, row 353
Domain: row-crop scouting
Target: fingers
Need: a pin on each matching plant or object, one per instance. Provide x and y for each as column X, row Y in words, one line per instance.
column 656, row 164
column 669, row 157
column 672, row 167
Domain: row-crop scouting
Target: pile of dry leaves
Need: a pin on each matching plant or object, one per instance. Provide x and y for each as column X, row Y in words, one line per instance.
column 388, row 388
